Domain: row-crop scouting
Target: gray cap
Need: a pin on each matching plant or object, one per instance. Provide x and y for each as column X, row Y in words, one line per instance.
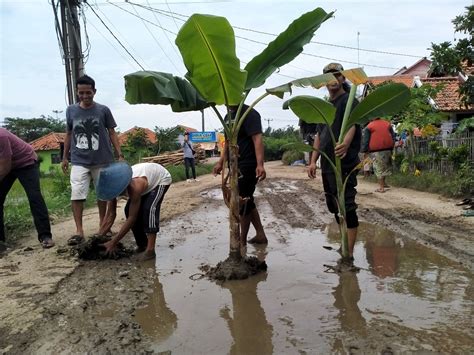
column 333, row 68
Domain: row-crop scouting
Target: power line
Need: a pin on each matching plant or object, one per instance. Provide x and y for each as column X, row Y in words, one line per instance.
column 154, row 38
column 107, row 27
column 335, row 45
column 164, row 13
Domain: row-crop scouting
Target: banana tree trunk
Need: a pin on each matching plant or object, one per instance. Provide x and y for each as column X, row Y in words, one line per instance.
column 235, row 252
column 340, row 178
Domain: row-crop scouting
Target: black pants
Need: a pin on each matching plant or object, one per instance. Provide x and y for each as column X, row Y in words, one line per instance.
column 148, row 219
column 247, row 183
column 189, row 163
column 30, row 180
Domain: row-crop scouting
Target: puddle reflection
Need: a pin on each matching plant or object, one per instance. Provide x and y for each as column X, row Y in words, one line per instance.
column 296, row 307
column 156, row 319
column 248, row 325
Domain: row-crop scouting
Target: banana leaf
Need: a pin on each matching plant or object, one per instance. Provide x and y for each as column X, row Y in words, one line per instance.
column 157, row 88
column 356, row 76
column 311, row 109
column 316, row 82
column 288, row 45
column 384, row 101
column 207, row 45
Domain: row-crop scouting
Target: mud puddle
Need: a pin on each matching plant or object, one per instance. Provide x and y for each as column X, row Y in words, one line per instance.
column 406, row 297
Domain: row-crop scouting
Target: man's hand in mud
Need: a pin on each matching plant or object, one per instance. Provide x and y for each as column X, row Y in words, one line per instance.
column 312, row 170
column 110, row 248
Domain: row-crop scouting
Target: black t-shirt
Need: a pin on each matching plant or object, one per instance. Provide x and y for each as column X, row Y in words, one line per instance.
column 352, row 157
column 251, row 126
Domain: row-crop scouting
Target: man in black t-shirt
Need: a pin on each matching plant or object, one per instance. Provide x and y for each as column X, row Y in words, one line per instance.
column 251, row 170
column 348, row 151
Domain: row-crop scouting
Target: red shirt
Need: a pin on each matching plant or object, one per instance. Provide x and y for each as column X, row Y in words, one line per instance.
column 380, row 136
column 11, row 147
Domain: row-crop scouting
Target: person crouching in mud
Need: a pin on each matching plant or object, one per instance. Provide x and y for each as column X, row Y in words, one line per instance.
column 145, row 185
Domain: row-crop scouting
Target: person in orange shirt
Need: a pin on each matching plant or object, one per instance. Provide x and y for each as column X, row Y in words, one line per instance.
column 379, row 139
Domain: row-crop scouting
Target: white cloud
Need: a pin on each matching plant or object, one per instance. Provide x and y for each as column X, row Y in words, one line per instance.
column 32, row 75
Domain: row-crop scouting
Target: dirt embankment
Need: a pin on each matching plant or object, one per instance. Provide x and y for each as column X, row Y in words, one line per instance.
column 51, row 302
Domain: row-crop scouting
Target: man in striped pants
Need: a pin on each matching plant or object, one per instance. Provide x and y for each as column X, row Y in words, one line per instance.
column 146, row 189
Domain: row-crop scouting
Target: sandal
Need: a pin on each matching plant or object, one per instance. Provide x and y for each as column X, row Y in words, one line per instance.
column 47, row 243
column 76, row 240
column 466, row 201
column 381, row 191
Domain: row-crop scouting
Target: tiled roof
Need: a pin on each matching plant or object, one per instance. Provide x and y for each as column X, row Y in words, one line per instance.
column 150, row 135
column 51, row 141
column 404, row 79
column 448, row 99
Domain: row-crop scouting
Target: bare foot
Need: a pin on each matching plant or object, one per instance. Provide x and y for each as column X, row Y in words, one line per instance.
column 258, row 240
column 147, row 255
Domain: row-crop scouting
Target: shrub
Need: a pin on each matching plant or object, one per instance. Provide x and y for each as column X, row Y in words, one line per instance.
column 290, row 156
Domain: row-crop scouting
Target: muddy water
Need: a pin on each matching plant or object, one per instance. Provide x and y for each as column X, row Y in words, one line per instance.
column 405, row 298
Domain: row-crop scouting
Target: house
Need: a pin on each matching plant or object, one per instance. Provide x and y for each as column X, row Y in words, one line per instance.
column 49, row 149
column 149, row 134
column 447, row 100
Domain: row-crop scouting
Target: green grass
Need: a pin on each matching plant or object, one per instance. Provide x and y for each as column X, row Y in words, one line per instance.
column 446, row 185
column 56, row 191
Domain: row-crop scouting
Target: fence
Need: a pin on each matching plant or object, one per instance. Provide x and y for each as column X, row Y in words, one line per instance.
column 443, row 166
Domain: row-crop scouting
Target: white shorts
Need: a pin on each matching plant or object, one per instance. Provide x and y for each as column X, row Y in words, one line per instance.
column 81, row 179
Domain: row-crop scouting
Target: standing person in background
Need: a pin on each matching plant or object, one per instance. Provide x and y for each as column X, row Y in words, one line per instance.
column 379, row 139
column 189, row 162
column 90, row 134
column 251, row 171
column 348, row 151
column 19, row 161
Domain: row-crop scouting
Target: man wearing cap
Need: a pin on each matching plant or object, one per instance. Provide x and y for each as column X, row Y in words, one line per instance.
column 145, row 185
column 348, row 151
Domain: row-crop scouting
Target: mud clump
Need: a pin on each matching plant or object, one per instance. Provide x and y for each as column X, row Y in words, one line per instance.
column 231, row 269
column 93, row 249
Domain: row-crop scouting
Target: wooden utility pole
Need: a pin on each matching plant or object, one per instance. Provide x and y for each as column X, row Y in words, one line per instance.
column 71, row 42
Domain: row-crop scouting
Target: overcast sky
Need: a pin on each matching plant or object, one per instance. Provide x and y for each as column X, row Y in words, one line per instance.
column 32, row 71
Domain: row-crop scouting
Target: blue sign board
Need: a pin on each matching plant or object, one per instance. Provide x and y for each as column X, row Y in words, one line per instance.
column 203, row 137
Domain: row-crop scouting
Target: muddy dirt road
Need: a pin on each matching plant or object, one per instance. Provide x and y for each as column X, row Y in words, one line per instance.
column 415, row 291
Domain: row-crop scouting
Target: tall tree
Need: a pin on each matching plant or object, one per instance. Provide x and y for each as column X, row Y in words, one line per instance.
column 448, row 59
column 30, row 129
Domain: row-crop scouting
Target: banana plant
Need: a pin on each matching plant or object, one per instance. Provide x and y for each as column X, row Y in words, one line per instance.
column 387, row 100
column 214, row 78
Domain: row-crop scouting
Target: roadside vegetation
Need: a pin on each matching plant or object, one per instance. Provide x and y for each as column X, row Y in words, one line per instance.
column 56, row 190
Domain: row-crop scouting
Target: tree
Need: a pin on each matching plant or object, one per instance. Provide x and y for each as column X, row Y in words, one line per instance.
column 137, row 145
column 207, row 45
column 447, row 59
column 166, row 139
column 385, row 100
column 30, row 129
column 419, row 113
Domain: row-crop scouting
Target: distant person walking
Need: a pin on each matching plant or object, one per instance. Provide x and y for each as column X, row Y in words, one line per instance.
column 379, row 139
column 90, row 135
column 188, row 151
column 19, row 161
